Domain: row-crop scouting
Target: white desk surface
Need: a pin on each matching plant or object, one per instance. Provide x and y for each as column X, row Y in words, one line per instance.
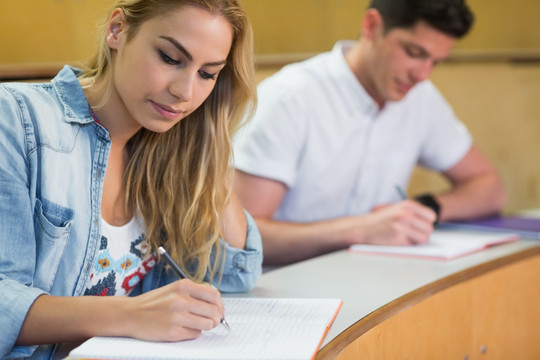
column 365, row 283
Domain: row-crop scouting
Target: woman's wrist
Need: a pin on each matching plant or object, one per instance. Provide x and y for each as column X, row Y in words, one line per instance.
column 109, row 316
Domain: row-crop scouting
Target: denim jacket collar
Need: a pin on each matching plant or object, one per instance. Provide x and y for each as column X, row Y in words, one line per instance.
column 72, row 96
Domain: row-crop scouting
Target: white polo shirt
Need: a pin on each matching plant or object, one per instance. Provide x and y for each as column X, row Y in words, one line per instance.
column 318, row 131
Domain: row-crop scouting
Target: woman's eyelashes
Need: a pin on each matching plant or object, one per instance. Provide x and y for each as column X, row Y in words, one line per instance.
column 207, row 76
column 169, row 60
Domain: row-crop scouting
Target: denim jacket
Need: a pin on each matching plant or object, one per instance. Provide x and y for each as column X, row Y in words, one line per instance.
column 53, row 158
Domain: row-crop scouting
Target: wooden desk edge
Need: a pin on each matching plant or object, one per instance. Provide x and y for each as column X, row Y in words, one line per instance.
column 23, row 72
column 340, row 342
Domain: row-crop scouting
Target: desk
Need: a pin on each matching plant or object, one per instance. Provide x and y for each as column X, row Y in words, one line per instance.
column 481, row 306
column 27, row 72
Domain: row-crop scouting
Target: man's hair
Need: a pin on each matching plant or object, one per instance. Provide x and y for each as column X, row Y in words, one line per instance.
column 452, row 17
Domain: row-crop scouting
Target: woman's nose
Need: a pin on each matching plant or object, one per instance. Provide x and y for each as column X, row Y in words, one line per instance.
column 182, row 86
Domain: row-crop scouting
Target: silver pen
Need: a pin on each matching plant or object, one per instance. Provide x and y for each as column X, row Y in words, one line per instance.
column 182, row 275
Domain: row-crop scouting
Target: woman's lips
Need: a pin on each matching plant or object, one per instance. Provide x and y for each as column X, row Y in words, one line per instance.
column 166, row 111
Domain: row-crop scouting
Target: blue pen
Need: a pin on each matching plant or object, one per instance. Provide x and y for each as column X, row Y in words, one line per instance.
column 401, row 192
column 182, row 275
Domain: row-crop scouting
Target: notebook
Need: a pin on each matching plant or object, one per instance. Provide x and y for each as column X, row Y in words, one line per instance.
column 261, row 329
column 442, row 245
column 527, row 228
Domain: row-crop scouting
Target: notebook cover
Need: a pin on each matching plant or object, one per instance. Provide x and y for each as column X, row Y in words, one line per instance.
column 528, row 228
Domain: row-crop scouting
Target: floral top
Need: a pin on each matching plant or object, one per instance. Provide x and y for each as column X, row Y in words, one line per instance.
column 122, row 261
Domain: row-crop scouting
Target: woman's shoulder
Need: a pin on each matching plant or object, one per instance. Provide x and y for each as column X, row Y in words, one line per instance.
column 27, row 98
column 61, row 98
column 48, row 114
column 26, row 109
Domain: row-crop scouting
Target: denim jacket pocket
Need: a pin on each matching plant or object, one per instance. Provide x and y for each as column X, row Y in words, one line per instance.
column 53, row 227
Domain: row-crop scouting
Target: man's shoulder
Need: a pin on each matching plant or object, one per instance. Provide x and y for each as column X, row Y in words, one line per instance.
column 300, row 74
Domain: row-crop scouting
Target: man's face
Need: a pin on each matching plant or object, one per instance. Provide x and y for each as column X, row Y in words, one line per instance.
column 402, row 58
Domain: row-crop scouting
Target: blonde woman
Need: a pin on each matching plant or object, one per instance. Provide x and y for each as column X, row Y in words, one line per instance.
column 101, row 167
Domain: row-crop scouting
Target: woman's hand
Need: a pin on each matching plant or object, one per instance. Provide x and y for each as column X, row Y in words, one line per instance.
column 178, row 311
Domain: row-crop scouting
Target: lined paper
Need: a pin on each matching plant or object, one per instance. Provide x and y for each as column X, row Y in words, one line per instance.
column 261, row 329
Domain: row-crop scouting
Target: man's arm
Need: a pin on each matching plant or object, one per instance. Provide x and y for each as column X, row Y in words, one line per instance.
column 477, row 189
column 402, row 223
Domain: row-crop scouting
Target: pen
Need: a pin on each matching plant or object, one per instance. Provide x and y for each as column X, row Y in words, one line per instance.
column 182, row 275
column 401, row 192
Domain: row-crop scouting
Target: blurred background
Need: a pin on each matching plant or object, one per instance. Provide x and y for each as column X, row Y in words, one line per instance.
column 492, row 79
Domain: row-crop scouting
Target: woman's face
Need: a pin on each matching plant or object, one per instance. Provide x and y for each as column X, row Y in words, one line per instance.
column 169, row 67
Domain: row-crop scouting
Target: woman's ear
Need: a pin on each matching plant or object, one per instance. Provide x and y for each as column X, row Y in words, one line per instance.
column 115, row 28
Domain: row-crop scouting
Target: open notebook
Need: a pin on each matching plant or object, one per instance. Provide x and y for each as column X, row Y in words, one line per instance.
column 261, row 329
column 442, row 245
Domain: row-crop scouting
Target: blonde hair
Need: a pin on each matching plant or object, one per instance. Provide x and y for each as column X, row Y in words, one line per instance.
column 179, row 181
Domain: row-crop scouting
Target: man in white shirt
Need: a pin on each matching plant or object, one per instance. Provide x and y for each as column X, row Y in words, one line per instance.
column 337, row 136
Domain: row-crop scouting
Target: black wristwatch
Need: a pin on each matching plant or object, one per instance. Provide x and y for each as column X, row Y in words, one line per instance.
column 432, row 203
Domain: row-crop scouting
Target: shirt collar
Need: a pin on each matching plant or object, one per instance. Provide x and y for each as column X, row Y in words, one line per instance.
column 356, row 93
column 72, row 96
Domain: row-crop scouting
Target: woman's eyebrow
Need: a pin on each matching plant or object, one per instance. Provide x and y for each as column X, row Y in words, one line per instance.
column 186, row 53
column 179, row 46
